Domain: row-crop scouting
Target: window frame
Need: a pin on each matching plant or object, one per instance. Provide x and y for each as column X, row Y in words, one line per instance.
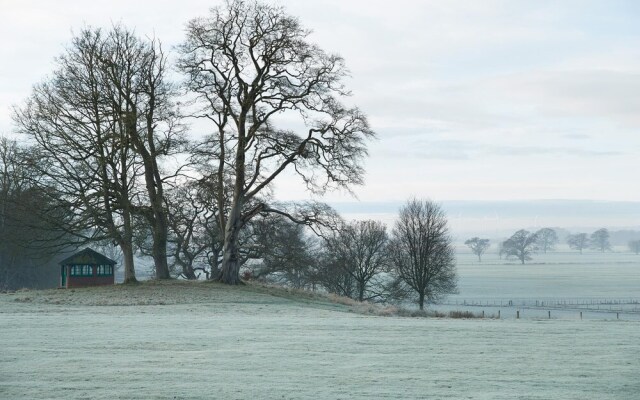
column 104, row 270
column 81, row 270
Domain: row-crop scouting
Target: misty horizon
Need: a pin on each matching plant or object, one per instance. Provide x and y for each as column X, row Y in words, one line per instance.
column 500, row 218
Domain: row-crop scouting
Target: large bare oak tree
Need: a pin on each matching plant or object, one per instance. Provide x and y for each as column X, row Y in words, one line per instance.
column 250, row 67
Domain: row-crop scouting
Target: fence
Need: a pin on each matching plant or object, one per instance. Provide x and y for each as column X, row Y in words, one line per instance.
column 551, row 308
column 604, row 304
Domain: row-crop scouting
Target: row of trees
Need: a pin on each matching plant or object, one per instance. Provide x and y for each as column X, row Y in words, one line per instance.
column 361, row 260
column 523, row 244
column 599, row 240
column 110, row 152
column 111, row 156
column 110, row 160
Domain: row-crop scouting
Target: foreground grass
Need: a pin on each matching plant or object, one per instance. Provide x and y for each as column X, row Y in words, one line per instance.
column 184, row 341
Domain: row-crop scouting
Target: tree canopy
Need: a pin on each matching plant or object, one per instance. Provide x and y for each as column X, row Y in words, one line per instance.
column 521, row 245
column 422, row 252
column 246, row 64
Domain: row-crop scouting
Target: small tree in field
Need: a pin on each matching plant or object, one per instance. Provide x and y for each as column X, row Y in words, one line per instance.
column 362, row 248
column 422, row 252
column 547, row 239
column 600, row 240
column 634, row 246
column 521, row 245
column 579, row 241
column 478, row 246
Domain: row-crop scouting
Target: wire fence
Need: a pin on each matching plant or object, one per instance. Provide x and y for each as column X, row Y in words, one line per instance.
column 604, row 304
column 548, row 308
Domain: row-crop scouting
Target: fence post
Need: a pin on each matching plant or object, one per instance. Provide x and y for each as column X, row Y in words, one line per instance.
column 617, row 315
column 517, row 314
column 549, row 314
column 580, row 314
column 498, row 314
column 482, row 313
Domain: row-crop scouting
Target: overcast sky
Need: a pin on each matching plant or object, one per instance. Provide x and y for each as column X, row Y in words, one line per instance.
column 471, row 100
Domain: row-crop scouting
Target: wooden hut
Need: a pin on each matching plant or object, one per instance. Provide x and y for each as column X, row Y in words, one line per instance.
column 87, row 268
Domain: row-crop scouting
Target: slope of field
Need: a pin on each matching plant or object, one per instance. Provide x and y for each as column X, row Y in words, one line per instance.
column 203, row 341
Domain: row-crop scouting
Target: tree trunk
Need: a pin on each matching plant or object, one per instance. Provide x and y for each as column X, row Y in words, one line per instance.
column 421, row 301
column 230, row 271
column 126, row 242
column 160, row 246
column 188, row 271
column 361, row 291
column 129, row 269
column 215, row 265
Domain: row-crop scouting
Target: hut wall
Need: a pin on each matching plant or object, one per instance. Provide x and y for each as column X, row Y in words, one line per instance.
column 82, row 281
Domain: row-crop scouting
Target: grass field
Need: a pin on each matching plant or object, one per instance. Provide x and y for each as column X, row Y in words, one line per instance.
column 601, row 285
column 203, row 341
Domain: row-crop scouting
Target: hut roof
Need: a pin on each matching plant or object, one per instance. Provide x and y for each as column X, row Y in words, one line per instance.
column 87, row 256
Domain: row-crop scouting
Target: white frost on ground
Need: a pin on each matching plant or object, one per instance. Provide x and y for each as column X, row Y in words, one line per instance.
column 239, row 345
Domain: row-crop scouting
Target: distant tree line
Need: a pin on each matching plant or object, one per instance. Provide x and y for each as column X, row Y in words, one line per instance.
column 523, row 244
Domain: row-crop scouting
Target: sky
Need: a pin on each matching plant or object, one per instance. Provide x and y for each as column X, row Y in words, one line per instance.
column 482, row 101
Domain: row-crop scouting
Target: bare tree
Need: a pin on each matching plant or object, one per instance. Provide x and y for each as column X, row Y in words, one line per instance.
column 478, row 246
column 361, row 247
column 246, row 63
column 634, row 246
column 600, row 240
column 134, row 79
column 194, row 244
column 521, row 245
column 287, row 255
column 422, row 252
column 332, row 276
column 547, row 239
column 103, row 122
column 578, row 241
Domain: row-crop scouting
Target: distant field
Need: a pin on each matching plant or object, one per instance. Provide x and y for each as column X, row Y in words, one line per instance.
column 205, row 341
column 604, row 279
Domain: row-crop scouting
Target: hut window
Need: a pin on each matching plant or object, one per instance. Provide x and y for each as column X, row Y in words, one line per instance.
column 105, row 270
column 81, row 270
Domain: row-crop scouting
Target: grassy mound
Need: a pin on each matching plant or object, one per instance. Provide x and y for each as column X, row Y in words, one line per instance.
column 175, row 292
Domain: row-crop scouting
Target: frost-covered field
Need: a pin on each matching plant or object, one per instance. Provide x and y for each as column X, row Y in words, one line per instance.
column 599, row 284
column 208, row 341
